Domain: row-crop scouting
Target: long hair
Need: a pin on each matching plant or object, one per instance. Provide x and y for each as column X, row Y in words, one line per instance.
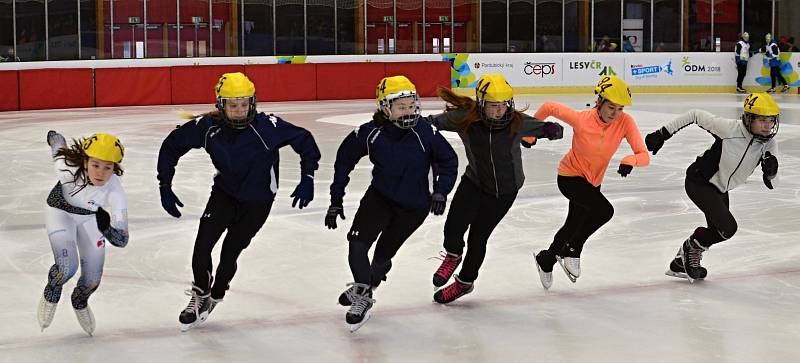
column 75, row 156
column 215, row 114
column 458, row 102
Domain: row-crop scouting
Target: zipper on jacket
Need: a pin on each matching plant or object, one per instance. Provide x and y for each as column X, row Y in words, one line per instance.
column 738, row 165
column 494, row 173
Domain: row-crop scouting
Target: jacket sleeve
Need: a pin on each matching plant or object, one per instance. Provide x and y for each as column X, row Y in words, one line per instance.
column 445, row 164
column 640, row 155
column 445, row 121
column 184, row 138
column 117, row 234
column 738, row 52
column 303, row 143
column 559, row 111
column 352, row 149
column 532, row 126
column 721, row 127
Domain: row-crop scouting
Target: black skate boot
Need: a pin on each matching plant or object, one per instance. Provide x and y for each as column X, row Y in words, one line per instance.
column 347, row 296
column 691, row 253
column 359, row 313
column 449, row 264
column 197, row 310
column 676, row 269
column 453, row 291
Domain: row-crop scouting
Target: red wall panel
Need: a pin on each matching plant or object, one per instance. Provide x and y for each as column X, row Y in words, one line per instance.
column 342, row 81
column 132, row 86
column 55, row 88
column 195, row 84
column 284, row 82
column 426, row 76
column 10, row 99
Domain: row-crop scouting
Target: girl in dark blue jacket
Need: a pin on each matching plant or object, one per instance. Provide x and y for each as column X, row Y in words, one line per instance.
column 402, row 151
column 243, row 146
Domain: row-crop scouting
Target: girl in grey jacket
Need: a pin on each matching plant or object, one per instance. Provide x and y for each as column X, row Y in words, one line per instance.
column 739, row 147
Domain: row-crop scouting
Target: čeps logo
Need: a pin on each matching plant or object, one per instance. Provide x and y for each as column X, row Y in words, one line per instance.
column 593, row 65
column 539, row 69
column 692, row 69
column 639, row 71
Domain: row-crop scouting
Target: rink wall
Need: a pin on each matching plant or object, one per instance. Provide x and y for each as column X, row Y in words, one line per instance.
column 132, row 82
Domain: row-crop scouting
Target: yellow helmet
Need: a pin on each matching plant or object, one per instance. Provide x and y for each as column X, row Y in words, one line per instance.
column 104, row 147
column 761, row 104
column 493, row 88
column 234, row 85
column 391, row 88
column 614, row 89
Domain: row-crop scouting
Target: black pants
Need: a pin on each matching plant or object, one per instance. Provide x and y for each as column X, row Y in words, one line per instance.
column 480, row 212
column 588, row 211
column 741, row 70
column 242, row 220
column 378, row 215
column 716, row 207
column 775, row 74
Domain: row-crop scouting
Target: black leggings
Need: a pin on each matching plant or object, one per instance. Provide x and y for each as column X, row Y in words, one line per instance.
column 716, row 207
column 775, row 74
column 242, row 220
column 741, row 70
column 378, row 215
column 480, row 212
column 588, row 211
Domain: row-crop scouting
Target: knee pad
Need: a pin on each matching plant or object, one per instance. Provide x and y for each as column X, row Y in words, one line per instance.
column 81, row 293
column 59, row 274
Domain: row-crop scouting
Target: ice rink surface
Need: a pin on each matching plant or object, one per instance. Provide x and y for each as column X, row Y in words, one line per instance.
column 282, row 302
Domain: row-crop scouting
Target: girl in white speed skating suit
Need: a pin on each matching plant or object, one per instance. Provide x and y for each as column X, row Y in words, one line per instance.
column 739, row 147
column 86, row 209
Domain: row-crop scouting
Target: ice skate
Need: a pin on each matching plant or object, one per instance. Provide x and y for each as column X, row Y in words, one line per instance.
column 449, row 264
column 46, row 312
column 545, row 277
column 347, row 296
column 359, row 312
column 197, row 310
column 571, row 266
column 771, row 90
column 453, row 291
column 676, row 269
column 741, row 90
column 691, row 253
column 785, row 88
column 86, row 319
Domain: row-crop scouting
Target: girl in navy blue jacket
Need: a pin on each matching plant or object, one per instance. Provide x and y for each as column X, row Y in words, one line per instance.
column 243, row 146
column 402, row 151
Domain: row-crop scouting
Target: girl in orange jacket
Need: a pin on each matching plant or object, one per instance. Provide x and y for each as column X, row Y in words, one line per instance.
column 597, row 133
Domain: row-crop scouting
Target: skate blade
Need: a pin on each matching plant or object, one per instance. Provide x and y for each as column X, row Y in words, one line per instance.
column 680, row 275
column 571, row 277
column 186, row 327
column 354, row 327
column 541, row 274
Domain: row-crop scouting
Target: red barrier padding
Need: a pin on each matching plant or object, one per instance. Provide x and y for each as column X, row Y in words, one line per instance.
column 55, row 88
column 283, row 82
column 132, row 86
column 10, row 99
column 195, row 84
column 426, row 76
column 342, row 81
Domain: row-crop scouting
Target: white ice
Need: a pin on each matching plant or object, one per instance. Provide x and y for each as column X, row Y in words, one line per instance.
column 282, row 302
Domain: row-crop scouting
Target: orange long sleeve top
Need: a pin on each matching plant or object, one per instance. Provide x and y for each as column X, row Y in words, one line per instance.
column 594, row 142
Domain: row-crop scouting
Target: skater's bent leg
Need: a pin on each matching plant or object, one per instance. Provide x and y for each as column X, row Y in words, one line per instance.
column 217, row 216
column 463, row 209
column 399, row 229
column 492, row 212
column 62, row 233
column 715, row 206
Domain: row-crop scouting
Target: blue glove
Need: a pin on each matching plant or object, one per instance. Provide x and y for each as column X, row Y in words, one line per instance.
column 169, row 200
column 304, row 192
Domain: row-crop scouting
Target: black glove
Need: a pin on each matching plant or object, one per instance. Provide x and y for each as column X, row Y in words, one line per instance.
column 553, row 131
column 438, row 203
column 625, row 169
column 169, row 200
column 655, row 140
column 528, row 141
column 103, row 219
column 335, row 210
column 769, row 165
column 304, row 192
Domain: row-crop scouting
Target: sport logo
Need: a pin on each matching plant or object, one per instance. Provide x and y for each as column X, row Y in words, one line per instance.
column 638, row 70
column 539, row 69
column 700, row 69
